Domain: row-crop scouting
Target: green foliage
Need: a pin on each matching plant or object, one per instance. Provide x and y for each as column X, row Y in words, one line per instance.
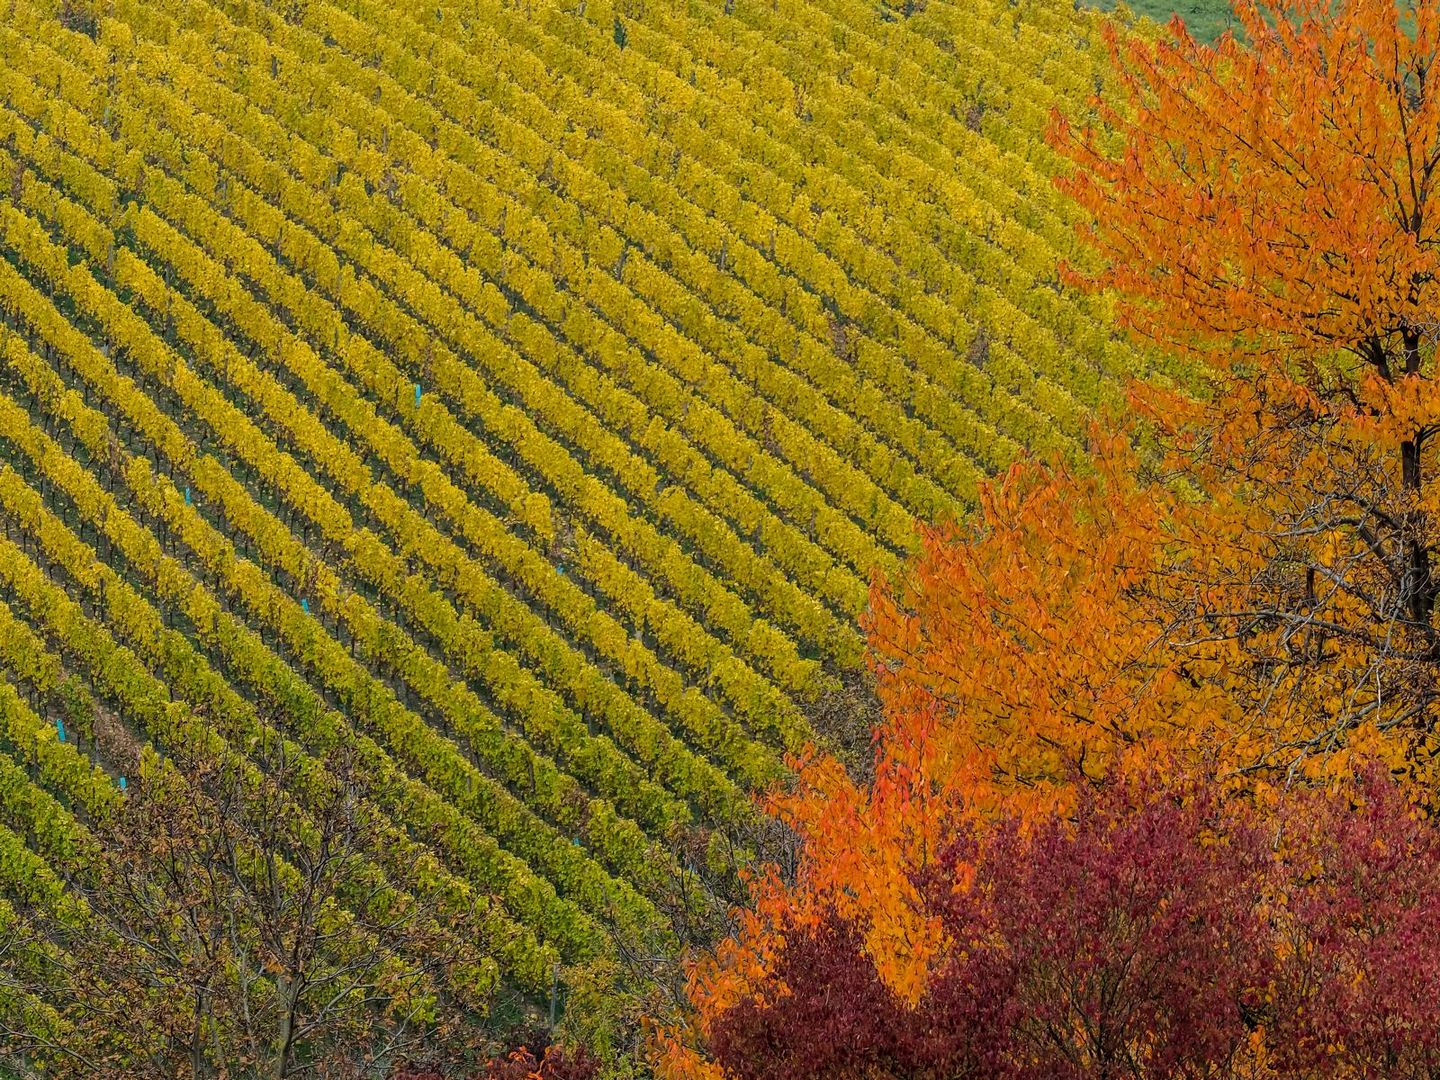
column 605, row 1004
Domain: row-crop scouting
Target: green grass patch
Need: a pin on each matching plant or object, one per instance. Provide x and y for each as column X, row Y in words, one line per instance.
column 1206, row 19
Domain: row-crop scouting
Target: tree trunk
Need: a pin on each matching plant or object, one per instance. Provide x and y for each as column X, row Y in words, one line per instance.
column 1418, row 588
column 289, row 991
column 197, row 1049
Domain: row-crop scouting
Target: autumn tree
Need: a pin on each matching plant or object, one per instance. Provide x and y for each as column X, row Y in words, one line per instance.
column 1268, row 206
column 231, row 923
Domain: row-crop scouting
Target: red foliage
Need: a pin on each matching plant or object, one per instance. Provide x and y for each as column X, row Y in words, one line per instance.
column 1120, row 938
column 836, row 1016
column 1363, row 933
column 1151, row 933
column 521, row 1063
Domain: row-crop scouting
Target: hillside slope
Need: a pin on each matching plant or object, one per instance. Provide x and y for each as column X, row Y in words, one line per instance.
column 526, row 391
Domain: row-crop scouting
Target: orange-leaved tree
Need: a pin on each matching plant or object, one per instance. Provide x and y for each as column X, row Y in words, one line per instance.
column 1271, row 207
column 1257, row 599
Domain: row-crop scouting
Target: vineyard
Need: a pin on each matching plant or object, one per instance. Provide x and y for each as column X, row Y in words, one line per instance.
column 520, row 394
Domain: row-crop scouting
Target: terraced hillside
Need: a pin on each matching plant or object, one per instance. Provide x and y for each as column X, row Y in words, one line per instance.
column 522, row 391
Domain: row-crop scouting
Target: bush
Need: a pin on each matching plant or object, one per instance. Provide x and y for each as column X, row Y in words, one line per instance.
column 545, row 1062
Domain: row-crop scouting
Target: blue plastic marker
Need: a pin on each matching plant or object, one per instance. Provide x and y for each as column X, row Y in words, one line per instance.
column 60, row 727
column 122, row 783
column 560, row 569
column 417, row 395
column 187, row 494
column 305, row 605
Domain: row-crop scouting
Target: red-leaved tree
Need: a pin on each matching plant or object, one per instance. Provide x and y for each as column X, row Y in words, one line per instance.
column 1156, row 931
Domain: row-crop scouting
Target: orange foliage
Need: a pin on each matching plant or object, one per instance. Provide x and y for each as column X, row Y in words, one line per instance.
column 1271, row 208
column 1271, row 194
